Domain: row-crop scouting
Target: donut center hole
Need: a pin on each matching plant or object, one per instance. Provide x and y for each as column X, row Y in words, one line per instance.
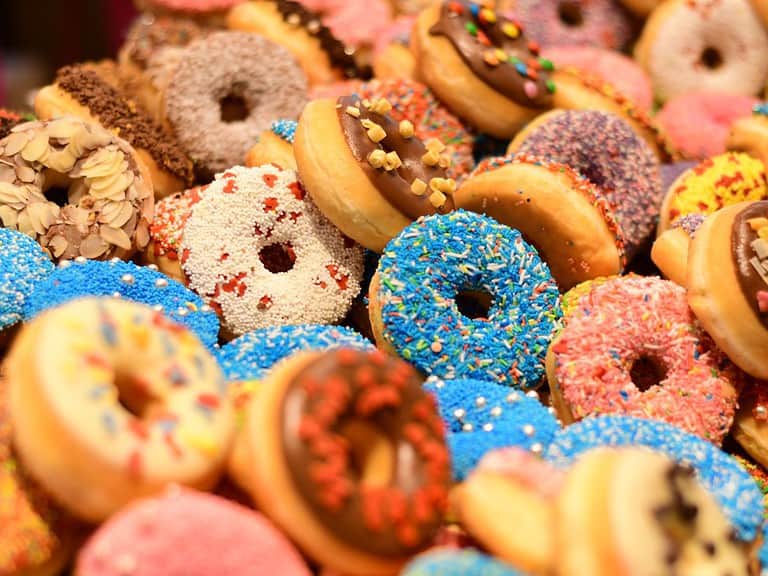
column 233, row 108
column 59, row 195
column 134, row 397
column 277, row 258
column 474, row 304
column 647, row 371
column 372, row 454
column 570, row 14
column 711, row 58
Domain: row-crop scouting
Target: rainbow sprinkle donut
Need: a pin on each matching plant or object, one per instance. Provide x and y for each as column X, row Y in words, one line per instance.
column 635, row 348
column 732, row 486
column 457, row 563
column 414, row 310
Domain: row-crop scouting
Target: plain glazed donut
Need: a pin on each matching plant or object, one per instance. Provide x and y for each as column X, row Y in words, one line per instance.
column 670, row 249
column 634, row 348
column 750, row 134
column 244, row 72
column 482, row 66
column 314, row 414
column 705, row 46
column 109, row 200
column 564, row 215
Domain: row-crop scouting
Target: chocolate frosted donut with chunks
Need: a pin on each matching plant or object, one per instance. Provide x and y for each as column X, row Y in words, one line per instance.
column 482, row 66
column 76, row 188
column 370, row 175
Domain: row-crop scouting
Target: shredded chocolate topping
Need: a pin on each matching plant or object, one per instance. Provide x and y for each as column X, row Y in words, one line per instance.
column 749, row 250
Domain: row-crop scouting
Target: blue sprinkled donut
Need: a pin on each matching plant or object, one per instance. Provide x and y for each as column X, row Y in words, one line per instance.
column 483, row 416
column 413, row 306
column 80, row 277
column 23, row 264
column 450, row 562
column 251, row 355
column 736, row 491
column 285, row 129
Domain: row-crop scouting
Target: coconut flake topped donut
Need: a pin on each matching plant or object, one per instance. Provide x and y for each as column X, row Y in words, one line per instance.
column 258, row 248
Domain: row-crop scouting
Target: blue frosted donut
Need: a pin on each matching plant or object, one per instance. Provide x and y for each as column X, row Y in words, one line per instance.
column 451, row 562
column 414, row 309
column 23, row 264
column 482, row 416
column 736, row 491
column 251, row 355
column 80, row 277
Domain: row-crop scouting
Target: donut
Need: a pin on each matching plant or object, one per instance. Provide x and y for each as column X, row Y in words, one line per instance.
column 712, row 184
column 482, row 65
column 446, row 562
column 604, row 149
column 275, row 146
column 80, row 91
column 670, row 172
column 749, row 426
column 81, row 278
column 706, row 46
column 23, row 266
column 732, row 486
column 697, row 123
column 599, row 23
column 636, row 349
column 100, row 199
column 323, row 57
column 356, row 24
column 392, row 57
column 129, row 402
column 611, row 67
column 728, row 285
column 750, row 134
column 262, row 254
column 369, row 174
column 226, row 89
column 616, row 510
column 435, row 265
column 562, row 214
column 670, row 249
column 216, row 535
column 480, row 417
column 316, row 413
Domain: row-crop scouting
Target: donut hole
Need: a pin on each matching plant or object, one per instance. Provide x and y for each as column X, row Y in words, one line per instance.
column 474, row 303
column 233, row 108
column 372, row 454
column 570, row 14
column 278, row 258
column 647, row 371
column 711, row 58
column 59, row 188
column 134, row 397
column 59, row 195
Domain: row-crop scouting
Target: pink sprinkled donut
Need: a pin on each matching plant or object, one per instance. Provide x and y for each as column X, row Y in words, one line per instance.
column 634, row 347
column 698, row 123
column 354, row 23
column 612, row 67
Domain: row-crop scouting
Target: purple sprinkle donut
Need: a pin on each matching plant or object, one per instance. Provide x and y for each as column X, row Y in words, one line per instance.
column 603, row 148
column 599, row 23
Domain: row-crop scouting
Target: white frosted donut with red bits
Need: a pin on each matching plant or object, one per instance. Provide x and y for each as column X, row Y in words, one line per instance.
column 263, row 254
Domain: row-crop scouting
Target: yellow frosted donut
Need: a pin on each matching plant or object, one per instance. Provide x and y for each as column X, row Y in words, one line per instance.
column 110, row 401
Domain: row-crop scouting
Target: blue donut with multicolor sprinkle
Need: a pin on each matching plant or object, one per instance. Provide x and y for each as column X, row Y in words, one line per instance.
column 23, row 264
column 483, row 416
column 80, row 277
column 728, row 481
column 449, row 562
column 422, row 278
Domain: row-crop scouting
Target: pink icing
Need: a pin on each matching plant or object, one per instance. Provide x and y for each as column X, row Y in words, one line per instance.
column 524, row 467
column 354, row 23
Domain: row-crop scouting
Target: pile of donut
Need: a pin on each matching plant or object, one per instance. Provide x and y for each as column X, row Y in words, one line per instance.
column 368, row 288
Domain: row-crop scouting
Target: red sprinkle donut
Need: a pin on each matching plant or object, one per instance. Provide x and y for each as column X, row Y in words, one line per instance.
column 633, row 347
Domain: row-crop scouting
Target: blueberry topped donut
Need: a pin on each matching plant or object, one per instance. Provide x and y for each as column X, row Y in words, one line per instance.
column 76, row 188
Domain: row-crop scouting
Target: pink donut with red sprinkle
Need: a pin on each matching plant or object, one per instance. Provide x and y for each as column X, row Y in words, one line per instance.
column 634, row 347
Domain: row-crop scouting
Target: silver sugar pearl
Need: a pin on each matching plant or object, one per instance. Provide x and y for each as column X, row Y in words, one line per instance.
column 537, row 448
column 115, row 260
column 116, row 295
column 532, row 394
column 480, row 402
column 496, row 411
column 161, row 283
column 529, row 430
column 182, row 312
column 65, row 263
column 80, row 260
column 153, row 267
column 513, row 397
column 157, row 307
column 488, row 427
column 459, row 413
column 127, row 279
column 467, row 427
column 205, row 308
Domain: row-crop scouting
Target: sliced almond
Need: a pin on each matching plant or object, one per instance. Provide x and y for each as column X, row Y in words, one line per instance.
column 93, row 246
column 10, row 193
column 36, row 148
column 42, row 215
column 9, row 216
column 119, row 218
column 58, row 245
column 63, row 128
column 16, row 142
column 115, row 236
column 24, row 223
column 61, row 160
column 141, row 236
column 25, row 174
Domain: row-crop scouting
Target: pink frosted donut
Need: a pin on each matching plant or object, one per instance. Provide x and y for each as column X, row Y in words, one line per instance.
column 354, row 23
column 612, row 67
column 698, row 123
column 188, row 533
column 634, row 347
column 398, row 32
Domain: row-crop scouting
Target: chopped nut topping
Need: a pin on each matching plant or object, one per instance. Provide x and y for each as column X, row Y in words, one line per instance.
column 431, row 158
column 437, row 199
column 353, row 111
column 418, row 187
column 406, row 129
column 377, row 158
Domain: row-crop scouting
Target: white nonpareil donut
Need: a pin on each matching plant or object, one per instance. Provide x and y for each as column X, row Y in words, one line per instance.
column 706, row 46
column 258, row 248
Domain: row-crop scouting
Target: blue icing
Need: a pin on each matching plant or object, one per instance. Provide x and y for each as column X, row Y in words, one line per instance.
column 763, row 552
column 457, row 563
column 482, row 416
column 251, row 355
column 285, row 129
column 23, row 264
column 736, row 491
column 75, row 279
column 430, row 262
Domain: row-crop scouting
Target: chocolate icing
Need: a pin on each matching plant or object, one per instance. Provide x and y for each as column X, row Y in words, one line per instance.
column 477, row 40
column 394, row 185
column 391, row 520
column 745, row 258
column 341, row 57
